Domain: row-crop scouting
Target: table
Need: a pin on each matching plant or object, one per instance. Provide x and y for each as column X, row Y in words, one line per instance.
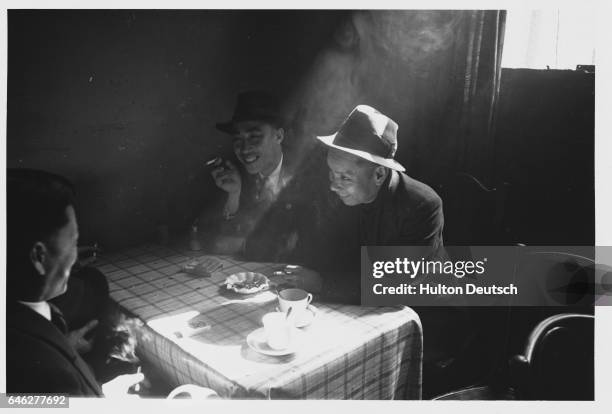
column 350, row 352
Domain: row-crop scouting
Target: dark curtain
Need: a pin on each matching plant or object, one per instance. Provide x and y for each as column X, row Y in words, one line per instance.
column 478, row 55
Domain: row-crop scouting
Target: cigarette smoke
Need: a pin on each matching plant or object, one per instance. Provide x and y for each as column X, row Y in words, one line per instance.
column 374, row 58
column 123, row 339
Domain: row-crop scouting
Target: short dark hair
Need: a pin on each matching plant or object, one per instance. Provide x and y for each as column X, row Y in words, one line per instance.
column 36, row 205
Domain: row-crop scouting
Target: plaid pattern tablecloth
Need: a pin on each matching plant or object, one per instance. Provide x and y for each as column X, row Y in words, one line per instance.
column 349, row 352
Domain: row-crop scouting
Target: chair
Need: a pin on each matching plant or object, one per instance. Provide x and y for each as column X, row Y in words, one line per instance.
column 557, row 363
column 503, row 330
column 558, row 360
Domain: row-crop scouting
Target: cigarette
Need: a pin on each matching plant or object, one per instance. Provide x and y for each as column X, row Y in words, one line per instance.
column 137, row 386
column 213, row 161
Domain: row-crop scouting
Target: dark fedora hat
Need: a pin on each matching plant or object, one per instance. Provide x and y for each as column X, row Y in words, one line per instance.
column 253, row 106
column 367, row 134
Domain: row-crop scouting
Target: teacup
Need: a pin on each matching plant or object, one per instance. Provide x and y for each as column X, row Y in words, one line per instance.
column 296, row 299
column 277, row 329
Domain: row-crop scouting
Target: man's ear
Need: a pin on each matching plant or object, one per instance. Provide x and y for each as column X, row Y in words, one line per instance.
column 280, row 134
column 380, row 174
column 38, row 255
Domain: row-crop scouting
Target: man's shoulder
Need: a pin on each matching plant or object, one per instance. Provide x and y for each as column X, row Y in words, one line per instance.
column 24, row 327
column 39, row 358
column 302, row 176
column 416, row 193
column 32, row 341
column 35, row 364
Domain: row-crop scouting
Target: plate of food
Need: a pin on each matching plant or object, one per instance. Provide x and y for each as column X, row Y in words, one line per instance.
column 247, row 283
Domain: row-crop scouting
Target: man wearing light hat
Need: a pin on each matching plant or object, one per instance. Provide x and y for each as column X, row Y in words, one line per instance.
column 383, row 206
column 392, row 209
column 395, row 209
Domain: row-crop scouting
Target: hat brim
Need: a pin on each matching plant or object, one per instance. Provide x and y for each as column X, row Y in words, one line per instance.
column 227, row 127
column 385, row 162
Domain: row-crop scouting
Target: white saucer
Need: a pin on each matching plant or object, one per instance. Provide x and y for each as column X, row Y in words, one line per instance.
column 307, row 317
column 257, row 341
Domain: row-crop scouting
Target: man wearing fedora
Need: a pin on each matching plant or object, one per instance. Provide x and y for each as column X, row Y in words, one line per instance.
column 396, row 209
column 252, row 188
column 386, row 207
column 379, row 205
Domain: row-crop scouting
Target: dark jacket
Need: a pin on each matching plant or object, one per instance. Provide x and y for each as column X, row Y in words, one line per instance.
column 285, row 227
column 273, row 232
column 406, row 212
column 214, row 228
column 39, row 358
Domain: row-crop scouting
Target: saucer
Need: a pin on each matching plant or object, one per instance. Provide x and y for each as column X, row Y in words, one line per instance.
column 257, row 341
column 307, row 317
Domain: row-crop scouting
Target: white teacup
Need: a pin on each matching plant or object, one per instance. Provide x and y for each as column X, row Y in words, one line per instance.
column 278, row 330
column 296, row 299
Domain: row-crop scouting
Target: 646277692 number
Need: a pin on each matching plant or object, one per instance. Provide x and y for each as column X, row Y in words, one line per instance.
column 34, row 400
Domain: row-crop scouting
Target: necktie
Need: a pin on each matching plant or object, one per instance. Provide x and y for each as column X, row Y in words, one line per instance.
column 58, row 319
column 265, row 189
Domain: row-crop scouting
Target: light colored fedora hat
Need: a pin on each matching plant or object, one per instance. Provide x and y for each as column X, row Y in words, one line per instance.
column 368, row 134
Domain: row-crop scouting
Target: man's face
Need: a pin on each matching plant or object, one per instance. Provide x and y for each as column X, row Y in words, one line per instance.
column 351, row 179
column 258, row 146
column 61, row 256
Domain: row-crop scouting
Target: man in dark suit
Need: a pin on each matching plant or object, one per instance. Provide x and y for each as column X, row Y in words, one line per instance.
column 253, row 189
column 380, row 204
column 42, row 234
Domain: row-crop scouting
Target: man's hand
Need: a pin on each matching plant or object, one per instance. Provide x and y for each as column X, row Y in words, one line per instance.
column 119, row 386
column 227, row 178
column 77, row 338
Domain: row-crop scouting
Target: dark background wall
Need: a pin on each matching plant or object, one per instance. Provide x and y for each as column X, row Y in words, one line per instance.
column 124, row 104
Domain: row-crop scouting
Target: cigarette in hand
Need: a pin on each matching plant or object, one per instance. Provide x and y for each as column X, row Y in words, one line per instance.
column 215, row 161
column 137, row 386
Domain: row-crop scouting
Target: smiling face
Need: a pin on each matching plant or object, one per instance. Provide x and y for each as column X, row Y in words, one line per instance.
column 60, row 254
column 257, row 145
column 354, row 180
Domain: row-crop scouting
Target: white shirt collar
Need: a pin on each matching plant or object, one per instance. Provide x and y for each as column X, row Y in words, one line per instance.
column 42, row 308
column 274, row 178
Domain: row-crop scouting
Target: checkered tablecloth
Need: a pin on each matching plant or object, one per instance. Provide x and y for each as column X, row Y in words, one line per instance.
column 348, row 352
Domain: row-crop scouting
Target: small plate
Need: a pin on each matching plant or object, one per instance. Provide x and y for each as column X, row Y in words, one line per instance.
column 257, row 341
column 255, row 282
column 307, row 317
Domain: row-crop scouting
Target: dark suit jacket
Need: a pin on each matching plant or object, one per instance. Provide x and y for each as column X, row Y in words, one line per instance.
column 282, row 226
column 406, row 212
column 213, row 226
column 272, row 231
column 40, row 359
